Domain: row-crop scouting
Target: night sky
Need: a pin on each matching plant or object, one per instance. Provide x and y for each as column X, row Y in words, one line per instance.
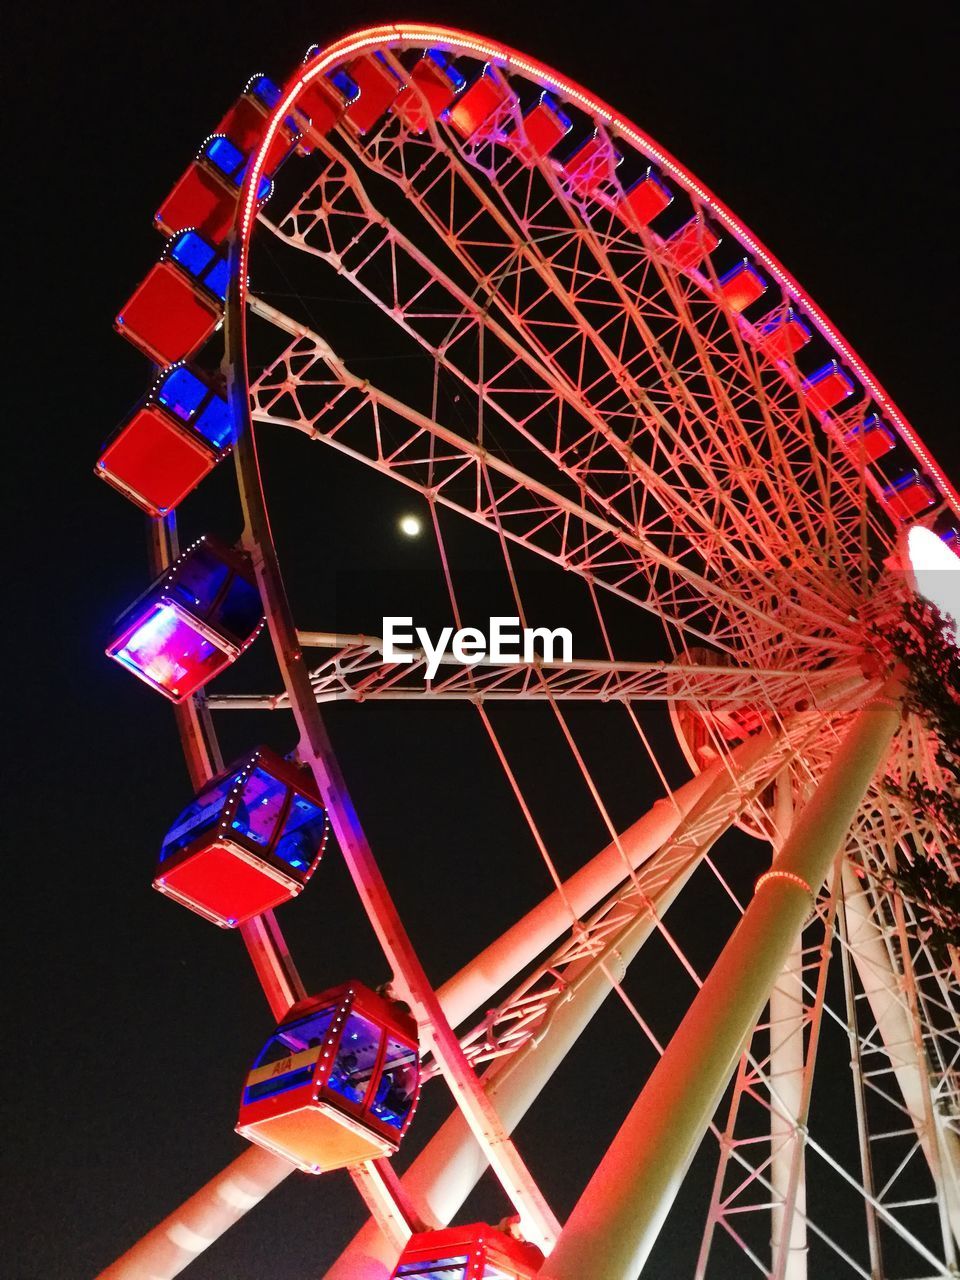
column 130, row 1021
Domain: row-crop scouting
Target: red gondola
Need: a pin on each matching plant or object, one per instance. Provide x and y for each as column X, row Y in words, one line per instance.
column 910, row 496
column 378, row 88
column 543, row 126
column 477, row 1252
column 206, row 195
column 337, row 1081
column 741, row 286
column 870, row 439
column 193, row 621
column 694, row 241
column 180, row 303
column 475, row 108
column 647, row 197
column 248, row 842
column 781, row 334
column 592, row 164
column 173, row 438
column 824, row 389
column 245, row 121
column 434, row 83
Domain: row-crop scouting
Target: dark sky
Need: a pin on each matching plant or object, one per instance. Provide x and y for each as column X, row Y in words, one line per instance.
column 829, row 130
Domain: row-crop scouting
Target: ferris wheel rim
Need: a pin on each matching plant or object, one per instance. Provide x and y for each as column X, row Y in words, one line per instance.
column 507, row 58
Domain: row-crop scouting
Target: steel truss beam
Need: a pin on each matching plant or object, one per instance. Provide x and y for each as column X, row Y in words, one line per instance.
column 750, row 1172
column 902, row 1060
column 894, row 1102
column 355, row 671
column 908, row 992
column 309, row 388
column 573, row 263
column 571, row 283
column 747, row 1185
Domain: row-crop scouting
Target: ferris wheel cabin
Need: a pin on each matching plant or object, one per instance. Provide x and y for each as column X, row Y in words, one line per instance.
column 377, row 88
column 206, row 196
column 870, row 439
column 825, row 389
column 690, row 244
column 782, row 334
column 173, row 438
column 244, row 123
column 910, row 496
column 544, row 126
column 336, row 1083
column 181, row 301
column 476, row 1252
column 742, row 286
column 646, row 198
column 248, row 842
column 478, row 106
column 194, row 620
column 433, row 85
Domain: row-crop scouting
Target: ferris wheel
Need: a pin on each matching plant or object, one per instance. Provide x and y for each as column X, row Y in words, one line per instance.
column 593, row 365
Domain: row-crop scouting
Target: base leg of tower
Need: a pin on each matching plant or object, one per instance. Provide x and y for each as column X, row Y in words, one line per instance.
column 174, row 1243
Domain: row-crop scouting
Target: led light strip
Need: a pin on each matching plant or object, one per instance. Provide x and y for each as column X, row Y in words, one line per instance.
column 790, row 877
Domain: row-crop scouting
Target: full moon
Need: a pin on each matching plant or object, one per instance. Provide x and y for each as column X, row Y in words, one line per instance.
column 411, row 526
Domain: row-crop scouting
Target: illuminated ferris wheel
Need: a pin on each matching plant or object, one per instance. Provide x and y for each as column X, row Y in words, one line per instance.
column 599, row 367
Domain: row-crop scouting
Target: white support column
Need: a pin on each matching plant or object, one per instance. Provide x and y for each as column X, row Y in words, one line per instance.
column 517, row 948
column 883, row 987
column 615, row 1224
column 787, row 1064
column 174, row 1244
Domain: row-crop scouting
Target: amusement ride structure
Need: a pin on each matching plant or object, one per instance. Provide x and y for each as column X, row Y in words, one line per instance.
column 610, row 376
